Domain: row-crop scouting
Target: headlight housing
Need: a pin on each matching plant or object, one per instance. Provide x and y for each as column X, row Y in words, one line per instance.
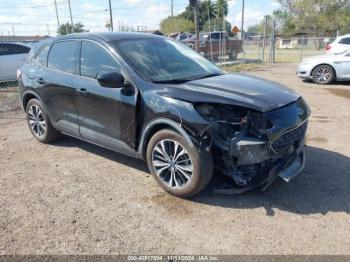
column 229, row 121
column 226, row 120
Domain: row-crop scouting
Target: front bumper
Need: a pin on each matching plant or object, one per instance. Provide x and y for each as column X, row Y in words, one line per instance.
column 286, row 170
column 252, row 162
column 304, row 71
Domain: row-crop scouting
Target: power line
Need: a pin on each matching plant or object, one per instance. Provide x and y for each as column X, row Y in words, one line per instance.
column 31, row 7
column 62, row 3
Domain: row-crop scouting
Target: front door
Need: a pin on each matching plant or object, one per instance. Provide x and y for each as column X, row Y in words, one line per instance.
column 106, row 115
column 345, row 67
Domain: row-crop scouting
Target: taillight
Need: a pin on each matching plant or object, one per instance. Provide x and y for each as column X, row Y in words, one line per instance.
column 328, row 47
column 18, row 74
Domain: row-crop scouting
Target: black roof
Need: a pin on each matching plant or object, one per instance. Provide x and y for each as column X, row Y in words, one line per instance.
column 109, row 36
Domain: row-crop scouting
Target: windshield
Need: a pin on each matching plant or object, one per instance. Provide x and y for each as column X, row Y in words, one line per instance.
column 164, row 60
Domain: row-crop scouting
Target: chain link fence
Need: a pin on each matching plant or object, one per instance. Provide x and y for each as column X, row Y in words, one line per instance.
column 13, row 55
column 282, row 49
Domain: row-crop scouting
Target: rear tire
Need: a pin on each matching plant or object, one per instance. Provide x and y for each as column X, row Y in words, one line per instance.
column 323, row 75
column 39, row 122
column 178, row 168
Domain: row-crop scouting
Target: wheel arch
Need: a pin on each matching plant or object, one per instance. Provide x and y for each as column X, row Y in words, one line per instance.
column 156, row 125
column 28, row 96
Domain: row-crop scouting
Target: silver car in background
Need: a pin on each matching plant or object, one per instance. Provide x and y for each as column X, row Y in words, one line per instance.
column 324, row 69
column 12, row 57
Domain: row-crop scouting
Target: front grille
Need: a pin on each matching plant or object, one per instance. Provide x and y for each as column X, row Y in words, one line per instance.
column 289, row 140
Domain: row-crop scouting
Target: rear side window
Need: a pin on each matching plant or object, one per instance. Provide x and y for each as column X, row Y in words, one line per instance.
column 41, row 58
column 95, row 59
column 13, row 49
column 62, row 56
column 345, row 41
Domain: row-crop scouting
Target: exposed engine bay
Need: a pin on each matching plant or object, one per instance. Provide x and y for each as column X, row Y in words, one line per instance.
column 253, row 148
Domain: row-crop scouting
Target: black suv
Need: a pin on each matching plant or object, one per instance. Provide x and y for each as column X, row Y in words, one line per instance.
column 150, row 97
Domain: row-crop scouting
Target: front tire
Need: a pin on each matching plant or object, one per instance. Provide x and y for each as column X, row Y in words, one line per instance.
column 39, row 122
column 323, row 75
column 178, row 168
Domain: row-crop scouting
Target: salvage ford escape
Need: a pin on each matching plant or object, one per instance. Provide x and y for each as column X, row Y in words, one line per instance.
column 149, row 97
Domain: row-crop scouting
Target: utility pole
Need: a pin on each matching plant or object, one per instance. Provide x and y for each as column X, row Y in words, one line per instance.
column 172, row 8
column 58, row 20
column 13, row 31
column 110, row 15
column 211, row 45
column 71, row 17
column 194, row 4
column 242, row 27
column 223, row 42
column 264, row 37
column 273, row 41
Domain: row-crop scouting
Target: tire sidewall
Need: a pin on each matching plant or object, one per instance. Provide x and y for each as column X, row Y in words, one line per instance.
column 36, row 102
column 196, row 183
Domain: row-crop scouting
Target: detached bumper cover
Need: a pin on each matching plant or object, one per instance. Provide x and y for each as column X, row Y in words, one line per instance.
column 259, row 163
column 294, row 168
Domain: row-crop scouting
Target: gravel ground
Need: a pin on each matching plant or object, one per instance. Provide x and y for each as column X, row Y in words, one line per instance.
column 71, row 197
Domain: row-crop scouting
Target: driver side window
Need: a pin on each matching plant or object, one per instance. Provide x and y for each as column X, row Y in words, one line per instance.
column 95, row 59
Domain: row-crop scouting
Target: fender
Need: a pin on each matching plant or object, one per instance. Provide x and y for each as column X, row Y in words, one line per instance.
column 168, row 122
column 30, row 92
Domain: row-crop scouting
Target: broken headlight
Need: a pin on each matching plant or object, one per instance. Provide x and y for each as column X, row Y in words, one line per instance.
column 229, row 121
column 226, row 121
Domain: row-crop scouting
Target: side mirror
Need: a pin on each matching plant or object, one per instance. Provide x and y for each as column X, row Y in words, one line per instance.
column 111, row 80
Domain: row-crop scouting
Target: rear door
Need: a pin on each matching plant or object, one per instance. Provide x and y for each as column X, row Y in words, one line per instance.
column 345, row 66
column 343, row 44
column 58, row 92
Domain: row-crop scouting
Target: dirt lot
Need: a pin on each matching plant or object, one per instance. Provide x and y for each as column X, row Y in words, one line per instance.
column 75, row 198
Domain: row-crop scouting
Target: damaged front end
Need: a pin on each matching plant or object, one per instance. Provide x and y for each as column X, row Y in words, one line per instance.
column 253, row 148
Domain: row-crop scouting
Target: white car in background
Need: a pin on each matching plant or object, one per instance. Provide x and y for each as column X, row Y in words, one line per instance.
column 324, row 69
column 339, row 45
column 12, row 57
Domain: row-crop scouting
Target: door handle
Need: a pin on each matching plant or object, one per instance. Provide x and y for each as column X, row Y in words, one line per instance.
column 83, row 91
column 41, row 81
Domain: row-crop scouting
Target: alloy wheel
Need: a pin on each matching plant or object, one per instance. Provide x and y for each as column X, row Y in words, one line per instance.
column 172, row 164
column 37, row 121
column 323, row 74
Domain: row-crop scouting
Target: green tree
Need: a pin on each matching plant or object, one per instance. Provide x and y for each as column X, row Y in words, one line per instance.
column 319, row 17
column 66, row 29
column 254, row 30
column 216, row 25
column 207, row 9
column 176, row 24
column 221, row 6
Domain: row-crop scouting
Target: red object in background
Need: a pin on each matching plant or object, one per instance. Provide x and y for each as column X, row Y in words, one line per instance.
column 328, row 47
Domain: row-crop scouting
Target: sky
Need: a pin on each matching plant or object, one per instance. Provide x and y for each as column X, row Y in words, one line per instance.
column 38, row 17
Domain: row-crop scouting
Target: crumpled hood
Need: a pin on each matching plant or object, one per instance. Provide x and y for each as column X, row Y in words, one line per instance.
column 236, row 89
